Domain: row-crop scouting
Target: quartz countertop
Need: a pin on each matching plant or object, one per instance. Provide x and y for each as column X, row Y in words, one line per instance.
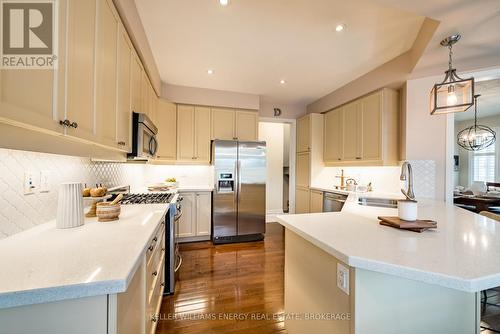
column 462, row 253
column 45, row 264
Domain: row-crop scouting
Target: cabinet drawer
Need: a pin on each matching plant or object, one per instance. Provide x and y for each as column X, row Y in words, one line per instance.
column 155, row 302
column 153, row 268
column 155, row 243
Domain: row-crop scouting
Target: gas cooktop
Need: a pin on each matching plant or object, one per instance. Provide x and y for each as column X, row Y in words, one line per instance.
column 159, row 198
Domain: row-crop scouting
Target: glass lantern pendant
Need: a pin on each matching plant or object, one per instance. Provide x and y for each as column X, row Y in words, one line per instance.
column 476, row 137
column 454, row 94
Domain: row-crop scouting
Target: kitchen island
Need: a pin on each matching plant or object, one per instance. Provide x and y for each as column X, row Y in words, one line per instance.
column 96, row 278
column 376, row 279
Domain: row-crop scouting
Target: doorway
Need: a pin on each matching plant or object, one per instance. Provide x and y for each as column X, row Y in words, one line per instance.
column 279, row 135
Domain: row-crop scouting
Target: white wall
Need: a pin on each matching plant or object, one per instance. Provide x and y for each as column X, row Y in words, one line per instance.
column 272, row 134
column 426, row 134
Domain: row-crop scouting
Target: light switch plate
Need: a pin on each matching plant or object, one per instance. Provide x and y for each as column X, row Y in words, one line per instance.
column 29, row 183
column 343, row 278
column 45, row 181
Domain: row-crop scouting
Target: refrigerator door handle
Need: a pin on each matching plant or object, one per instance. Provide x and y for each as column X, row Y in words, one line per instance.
column 238, row 175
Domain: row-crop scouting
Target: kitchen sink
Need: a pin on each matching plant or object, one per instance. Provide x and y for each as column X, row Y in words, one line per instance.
column 378, row 202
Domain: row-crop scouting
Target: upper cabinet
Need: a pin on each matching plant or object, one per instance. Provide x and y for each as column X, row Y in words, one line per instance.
column 106, row 73
column 230, row 124
column 363, row 132
column 304, row 134
column 166, row 121
column 136, row 83
column 124, row 91
column 193, row 134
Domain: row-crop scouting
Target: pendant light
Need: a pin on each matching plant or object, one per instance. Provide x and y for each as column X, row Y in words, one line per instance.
column 476, row 137
column 454, row 94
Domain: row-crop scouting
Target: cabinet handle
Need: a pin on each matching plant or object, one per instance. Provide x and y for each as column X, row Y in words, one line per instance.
column 74, row 125
column 358, row 158
column 154, row 319
column 193, row 158
column 66, row 122
column 163, row 249
column 155, row 273
column 150, row 248
column 162, row 284
column 121, row 143
column 155, row 239
column 339, row 159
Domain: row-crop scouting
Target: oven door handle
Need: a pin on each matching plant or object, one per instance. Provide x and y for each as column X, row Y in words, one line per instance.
column 178, row 256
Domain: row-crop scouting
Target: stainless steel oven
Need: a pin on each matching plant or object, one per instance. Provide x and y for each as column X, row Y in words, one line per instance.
column 144, row 144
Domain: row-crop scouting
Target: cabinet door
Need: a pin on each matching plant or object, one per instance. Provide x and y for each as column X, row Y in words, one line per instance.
column 135, row 82
column 153, row 105
column 223, row 124
column 107, row 36
column 80, row 68
column 185, row 133
column 302, row 200
column 202, row 134
column 123, row 102
column 187, row 226
column 166, row 121
column 203, row 214
column 316, row 202
column 145, row 92
column 351, row 140
column 371, row 132
column 247, row 125
column 304, row 134
column 303, row 169
column 333, row 142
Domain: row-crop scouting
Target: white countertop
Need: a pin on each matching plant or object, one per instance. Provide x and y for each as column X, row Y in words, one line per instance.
column 45, row 264
column 463, row 253
column 184, row 189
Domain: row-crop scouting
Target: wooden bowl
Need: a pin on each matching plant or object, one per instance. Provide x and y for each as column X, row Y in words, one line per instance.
column 107, row 212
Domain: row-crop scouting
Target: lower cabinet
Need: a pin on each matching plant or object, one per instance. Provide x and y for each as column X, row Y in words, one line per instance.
column 302, row 200
column 316, row 201
column 131, row 312
column 196, row 220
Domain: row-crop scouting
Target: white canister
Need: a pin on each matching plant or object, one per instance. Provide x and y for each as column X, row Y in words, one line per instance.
column 407, row 210
column 70, row 206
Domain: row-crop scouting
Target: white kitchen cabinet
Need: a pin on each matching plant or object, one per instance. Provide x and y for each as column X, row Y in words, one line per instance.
column 135, row 83
column 196, row 220
column 193, row 134
column 231, row 124
column 316, row 201
column 364, row 132
column 123, row 101
column 303, row 169
column 166, row 121
column 106, row 73
column 80, row 69
column 304, row 134
column 302, row 200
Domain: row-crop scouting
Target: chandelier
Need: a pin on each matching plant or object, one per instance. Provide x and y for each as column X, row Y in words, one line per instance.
column 476, row 137
column 454, row 94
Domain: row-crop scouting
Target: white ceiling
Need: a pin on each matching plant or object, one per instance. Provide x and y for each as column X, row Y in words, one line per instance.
column 487, row 105
column 478, row 21
column 253, row 44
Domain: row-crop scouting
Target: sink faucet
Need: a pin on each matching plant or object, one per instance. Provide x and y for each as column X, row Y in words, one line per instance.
column 407, row 174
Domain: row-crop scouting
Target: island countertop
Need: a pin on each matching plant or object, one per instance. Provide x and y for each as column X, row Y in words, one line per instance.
column 45, row 264
column 462, row 253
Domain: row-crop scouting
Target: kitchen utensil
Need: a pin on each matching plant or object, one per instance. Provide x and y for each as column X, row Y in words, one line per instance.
column 117, row 199
column 106, row 211
column 407, row 210
column 70, row 206
column 416, row 226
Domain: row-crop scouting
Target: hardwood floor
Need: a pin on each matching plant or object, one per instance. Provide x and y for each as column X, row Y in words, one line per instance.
column 234, row 288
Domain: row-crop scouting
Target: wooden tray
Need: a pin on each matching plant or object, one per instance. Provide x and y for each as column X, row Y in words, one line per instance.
column 415, row 226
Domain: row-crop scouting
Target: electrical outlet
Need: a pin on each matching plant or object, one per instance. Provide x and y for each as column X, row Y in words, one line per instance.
column 45, row 181
column 29, row 183
column 343, row 278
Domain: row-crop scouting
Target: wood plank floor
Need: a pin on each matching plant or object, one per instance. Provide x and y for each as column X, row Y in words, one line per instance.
column 234, row 288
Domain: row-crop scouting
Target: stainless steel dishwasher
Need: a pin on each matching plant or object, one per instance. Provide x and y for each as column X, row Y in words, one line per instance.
column 333, row 202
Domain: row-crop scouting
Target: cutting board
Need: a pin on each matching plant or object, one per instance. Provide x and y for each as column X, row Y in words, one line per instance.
column 415, row 226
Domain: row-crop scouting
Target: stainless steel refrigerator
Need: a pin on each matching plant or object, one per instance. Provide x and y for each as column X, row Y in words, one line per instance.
column 239, row 197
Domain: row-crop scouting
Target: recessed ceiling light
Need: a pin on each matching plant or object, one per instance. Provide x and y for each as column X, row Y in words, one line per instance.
column 210, row 71
column 224, row 2
column 282, row 81
column 340, row 27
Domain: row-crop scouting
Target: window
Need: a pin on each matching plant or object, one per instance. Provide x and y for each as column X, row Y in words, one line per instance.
column 483, row 164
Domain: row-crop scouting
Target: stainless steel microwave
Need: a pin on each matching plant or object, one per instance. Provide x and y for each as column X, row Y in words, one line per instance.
column 144, row 144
